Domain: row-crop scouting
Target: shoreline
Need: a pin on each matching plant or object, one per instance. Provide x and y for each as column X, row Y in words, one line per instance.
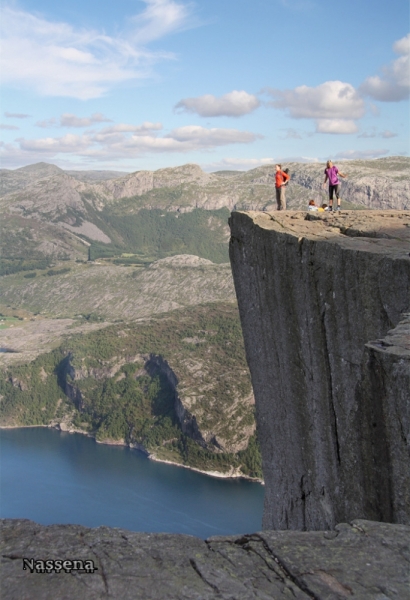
column 140, row 448
column 216, row 474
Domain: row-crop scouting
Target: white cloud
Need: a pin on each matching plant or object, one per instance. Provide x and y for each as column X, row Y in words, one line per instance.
column 373, row 133
column 123, row 141
column 124, row 128
column 8, row 127
column 336, row 126
column 388, row 134
column 329, row 100
column 68, row 143
column 202, row 137
column 292, row 134
column 238, row 164
column 394, row 83
column 160, row 18
column 10, row 115
column 334, row 105
column 55, row 59
column 361, row 154
column 69, row 120
column 402, row 46
column 46, row 123
column 244, row 164
column 233, row 104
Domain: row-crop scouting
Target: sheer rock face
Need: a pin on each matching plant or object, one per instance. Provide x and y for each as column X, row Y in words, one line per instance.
column 332, row 404
column 362, row 559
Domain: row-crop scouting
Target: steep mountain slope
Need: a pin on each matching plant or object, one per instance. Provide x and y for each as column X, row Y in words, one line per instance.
column 14, row 180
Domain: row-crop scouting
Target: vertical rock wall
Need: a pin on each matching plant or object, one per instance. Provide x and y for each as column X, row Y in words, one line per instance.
column 312, row 293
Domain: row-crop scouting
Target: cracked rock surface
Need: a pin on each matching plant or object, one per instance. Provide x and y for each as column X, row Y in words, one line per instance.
column 324, row 301
column 363, row 559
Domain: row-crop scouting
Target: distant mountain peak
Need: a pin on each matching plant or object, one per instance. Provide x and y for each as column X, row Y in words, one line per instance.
column 40, row 166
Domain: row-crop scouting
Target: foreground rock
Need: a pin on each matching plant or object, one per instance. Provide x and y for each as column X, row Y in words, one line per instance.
column 318, row 294
column 363, row 559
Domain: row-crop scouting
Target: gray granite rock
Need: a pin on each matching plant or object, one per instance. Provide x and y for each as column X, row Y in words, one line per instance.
column 332, row 406
column 366, row 560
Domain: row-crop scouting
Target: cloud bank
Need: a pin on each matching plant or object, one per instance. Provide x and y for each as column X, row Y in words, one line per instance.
column 233, row 104
column 10, row 115
column 70, row 120
column 334, row 105
column 394, row 83
column 122, row 141
column 361, row 154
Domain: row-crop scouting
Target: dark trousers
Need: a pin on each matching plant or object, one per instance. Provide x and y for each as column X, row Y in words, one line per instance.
column 335, row 189
column 281, row 198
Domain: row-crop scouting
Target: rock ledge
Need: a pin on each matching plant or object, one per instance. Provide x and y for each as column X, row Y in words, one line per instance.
column 362, row 559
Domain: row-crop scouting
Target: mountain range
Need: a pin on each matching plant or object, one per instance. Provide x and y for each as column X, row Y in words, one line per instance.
column 118, row 300
column 48, row 213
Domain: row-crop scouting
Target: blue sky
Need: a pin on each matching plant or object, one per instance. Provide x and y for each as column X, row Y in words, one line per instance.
column 227, row 84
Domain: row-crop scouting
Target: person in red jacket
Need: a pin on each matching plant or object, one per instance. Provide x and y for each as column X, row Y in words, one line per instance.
column 281, row 179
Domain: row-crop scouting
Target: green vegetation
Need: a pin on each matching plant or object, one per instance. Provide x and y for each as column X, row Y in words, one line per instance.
column 32, row 393
column 63, row 271
column 157, row 234
column 100, row 250
column 20, row 245
column 10, row 265
column 131, row 261
column 6, row 322
column 120, row 390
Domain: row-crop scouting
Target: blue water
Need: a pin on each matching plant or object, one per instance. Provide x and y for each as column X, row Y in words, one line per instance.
column 53, row 477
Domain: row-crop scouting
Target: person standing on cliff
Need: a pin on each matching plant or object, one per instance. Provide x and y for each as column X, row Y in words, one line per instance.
column 331, row 174
column 281, row 179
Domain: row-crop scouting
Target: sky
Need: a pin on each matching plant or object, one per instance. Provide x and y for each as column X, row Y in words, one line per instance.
column 226, row 84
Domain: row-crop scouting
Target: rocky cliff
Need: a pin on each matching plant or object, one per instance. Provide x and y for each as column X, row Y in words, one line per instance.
column 322, row 302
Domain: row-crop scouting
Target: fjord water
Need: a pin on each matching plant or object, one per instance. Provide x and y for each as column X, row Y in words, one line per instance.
column 53, row 477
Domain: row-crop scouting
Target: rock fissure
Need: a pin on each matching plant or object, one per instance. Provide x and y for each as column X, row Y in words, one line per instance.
column 328, row 370
column 100, row 567
column 197, row 570
column 287, row 574
column 103, row 574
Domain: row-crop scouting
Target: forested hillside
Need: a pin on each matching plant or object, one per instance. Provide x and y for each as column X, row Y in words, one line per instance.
column 177, row 385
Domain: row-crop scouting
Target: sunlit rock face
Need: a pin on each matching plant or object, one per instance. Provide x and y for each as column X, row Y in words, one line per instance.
column 323, row 301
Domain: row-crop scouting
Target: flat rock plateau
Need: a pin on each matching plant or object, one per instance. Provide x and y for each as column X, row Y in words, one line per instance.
column 362, row 559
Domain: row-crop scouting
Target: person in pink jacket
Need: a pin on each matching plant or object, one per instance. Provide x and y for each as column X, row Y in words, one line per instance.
column 331, row 174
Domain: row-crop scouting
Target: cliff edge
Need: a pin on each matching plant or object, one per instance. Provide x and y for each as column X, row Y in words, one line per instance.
column 324, row 304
